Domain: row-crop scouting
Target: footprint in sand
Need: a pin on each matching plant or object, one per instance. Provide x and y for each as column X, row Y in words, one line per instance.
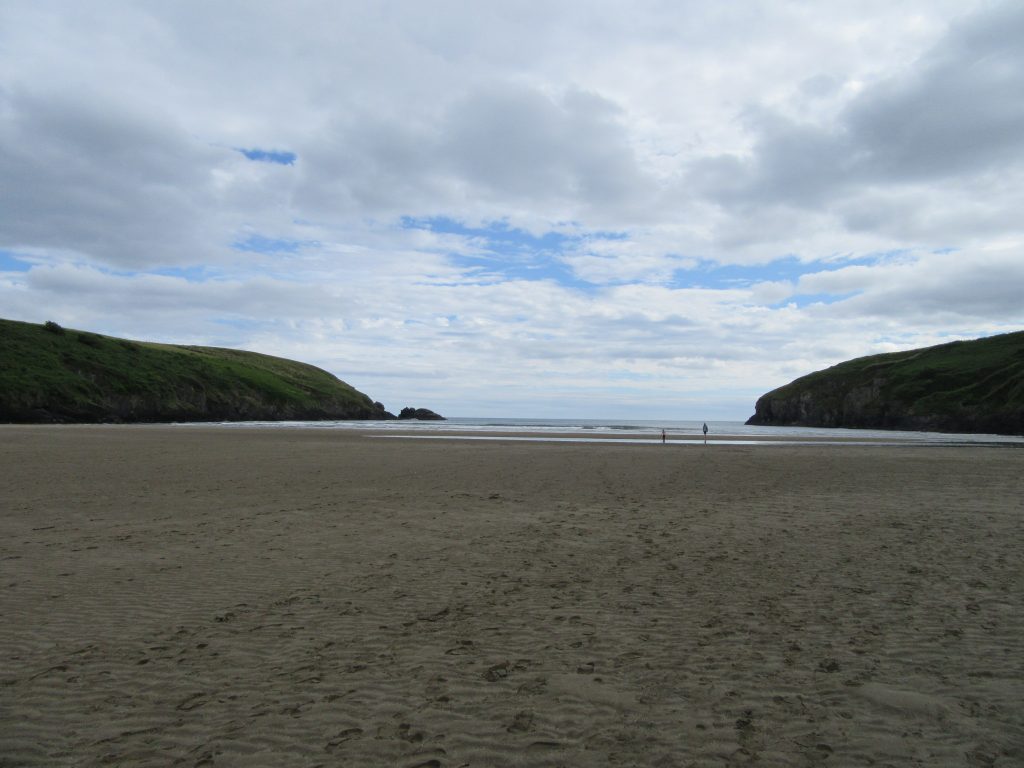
column 194, row 701
column 496, row 672
column 342, row 736
column 523, row 722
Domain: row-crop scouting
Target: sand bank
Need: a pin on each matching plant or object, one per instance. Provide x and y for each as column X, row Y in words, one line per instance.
column 201, row 596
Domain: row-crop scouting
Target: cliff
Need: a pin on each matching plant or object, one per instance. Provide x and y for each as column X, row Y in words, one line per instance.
column 963, row 386
column 53, row 374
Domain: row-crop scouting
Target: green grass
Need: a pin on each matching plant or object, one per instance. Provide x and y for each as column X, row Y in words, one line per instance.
column 977, row 384
column 50, row 373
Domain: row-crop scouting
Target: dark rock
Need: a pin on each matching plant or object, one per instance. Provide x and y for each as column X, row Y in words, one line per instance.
column 382, row 413
column 420, row 414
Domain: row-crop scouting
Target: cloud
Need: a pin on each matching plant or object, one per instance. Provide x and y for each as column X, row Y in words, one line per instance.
column 963, row 288
column 954, row 113
column 571, row 152
column 624, row 260
column 520, row 205
column 507, row 151
column 880, row 166
column 104, row 180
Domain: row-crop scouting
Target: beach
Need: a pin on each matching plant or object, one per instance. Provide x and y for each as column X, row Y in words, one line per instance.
column 201, row 596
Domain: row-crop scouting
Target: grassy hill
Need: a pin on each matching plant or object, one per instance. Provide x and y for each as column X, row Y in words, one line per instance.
column 53, row 374
column 963, row 386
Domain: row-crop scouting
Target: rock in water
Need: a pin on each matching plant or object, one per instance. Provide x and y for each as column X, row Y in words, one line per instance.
column 421, row 414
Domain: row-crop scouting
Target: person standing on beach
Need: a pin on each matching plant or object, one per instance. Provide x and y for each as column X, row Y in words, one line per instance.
column 663, row 437
column 705, row 433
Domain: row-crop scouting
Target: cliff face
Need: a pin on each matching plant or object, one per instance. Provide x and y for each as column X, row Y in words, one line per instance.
column 964, row 386
column 193, row 405
column 52, row 374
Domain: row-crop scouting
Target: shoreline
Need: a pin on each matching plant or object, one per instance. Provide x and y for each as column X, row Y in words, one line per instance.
column 819, row 436
column 297, row 597
column 689, row 440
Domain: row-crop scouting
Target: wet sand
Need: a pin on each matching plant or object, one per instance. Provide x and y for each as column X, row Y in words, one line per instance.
column 201, row 596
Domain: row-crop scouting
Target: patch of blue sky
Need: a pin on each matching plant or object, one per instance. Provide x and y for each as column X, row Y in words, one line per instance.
column 118, row 272
column 240, row 323
column 193, row 274
column 709, row 274
column 499, row 236
column 505, row 253
column 540, row 267
column 628, row 376
column 802, row 300
column 261, row 244
column 606, row 235
column 280, row 157
column 11, row 263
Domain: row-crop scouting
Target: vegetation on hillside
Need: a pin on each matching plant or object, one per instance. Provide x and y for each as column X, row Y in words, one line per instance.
column 54, row 374
column 963, row 386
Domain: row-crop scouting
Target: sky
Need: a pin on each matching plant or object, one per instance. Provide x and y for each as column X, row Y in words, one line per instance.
column 575, row 209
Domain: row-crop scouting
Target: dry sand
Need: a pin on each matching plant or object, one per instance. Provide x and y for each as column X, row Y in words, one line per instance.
column 201, row 596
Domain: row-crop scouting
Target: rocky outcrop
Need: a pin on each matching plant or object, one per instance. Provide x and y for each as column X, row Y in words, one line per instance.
column 420, row 414
column 965, row 386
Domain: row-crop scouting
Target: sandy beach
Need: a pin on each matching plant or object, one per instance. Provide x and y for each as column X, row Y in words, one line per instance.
column 195, row 596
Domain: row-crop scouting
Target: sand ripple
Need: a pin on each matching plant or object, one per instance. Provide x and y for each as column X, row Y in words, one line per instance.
column 193, row 598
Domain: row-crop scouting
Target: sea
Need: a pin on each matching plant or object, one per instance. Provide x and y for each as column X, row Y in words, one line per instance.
column 631, row 431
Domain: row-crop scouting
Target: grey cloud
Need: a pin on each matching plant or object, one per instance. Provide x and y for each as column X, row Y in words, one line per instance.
column 959, row 111
column 954, row 118
column 958, row 211
column 492, row 150
column 367, row 166
column 794, row 164
column 95, row 178
column 957, row 286
column 231, row 312
column 518, row 141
